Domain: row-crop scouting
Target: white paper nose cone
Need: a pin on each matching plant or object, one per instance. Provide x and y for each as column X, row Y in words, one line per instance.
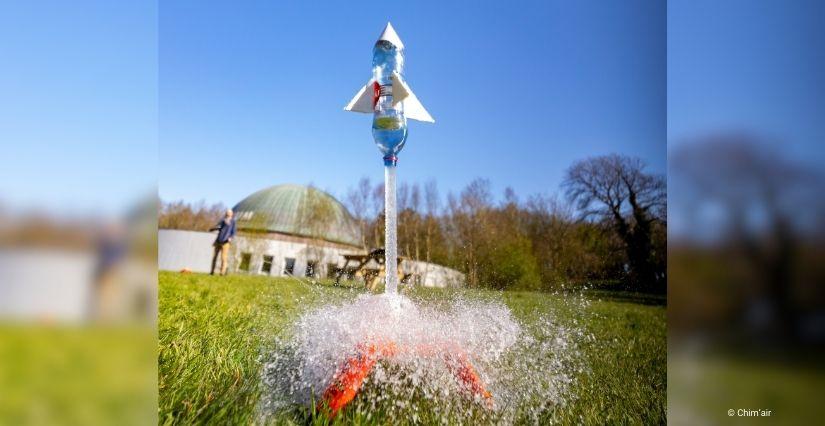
column 390, row 36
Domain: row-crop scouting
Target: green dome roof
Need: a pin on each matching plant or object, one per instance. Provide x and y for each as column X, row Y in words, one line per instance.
column 297, row 210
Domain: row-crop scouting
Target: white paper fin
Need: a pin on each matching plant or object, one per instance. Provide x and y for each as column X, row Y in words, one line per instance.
column 412, row 106
column 362, row 102
column 400, row 90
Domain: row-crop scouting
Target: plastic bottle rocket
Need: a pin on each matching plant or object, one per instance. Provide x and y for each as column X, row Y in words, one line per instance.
column 388, row 97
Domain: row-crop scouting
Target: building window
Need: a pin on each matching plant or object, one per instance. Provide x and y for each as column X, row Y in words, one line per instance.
column 310, row 271
column 246, row 259
column 332, row 270
column 289, row 265
column 266, row 267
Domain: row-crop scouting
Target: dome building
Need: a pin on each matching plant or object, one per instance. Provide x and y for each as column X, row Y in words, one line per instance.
column 297, row 211
column 290, row 230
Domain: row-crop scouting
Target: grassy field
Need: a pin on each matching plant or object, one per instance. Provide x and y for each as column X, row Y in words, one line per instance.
column 77, row 375
column 213, row 332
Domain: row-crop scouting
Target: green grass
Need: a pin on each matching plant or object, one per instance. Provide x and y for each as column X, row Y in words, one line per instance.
column 213, row 332
column 77, row 375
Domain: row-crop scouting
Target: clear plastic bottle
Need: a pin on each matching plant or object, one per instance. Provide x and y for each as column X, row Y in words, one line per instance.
column 389, row 126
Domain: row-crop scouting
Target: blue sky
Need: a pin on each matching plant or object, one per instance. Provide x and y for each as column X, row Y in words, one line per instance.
column 251, row 93
column 78, row 116
column 742, row 65
column 247, row 96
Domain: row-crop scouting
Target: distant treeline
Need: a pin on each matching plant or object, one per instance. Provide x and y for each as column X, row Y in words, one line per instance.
column 193, row 217
column 608, row 226
column 747, row 261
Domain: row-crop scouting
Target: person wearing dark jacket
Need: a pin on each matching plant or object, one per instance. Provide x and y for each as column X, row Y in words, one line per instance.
column 226, row 230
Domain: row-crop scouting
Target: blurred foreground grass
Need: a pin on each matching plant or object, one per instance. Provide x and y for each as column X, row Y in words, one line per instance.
column 213, row 331
column 704, row 386
column 77, row 375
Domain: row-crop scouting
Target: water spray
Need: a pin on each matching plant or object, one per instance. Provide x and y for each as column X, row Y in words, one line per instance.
column 468, row 361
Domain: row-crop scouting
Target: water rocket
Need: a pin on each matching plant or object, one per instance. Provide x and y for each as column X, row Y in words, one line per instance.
column 391, row 101
column 388, row 97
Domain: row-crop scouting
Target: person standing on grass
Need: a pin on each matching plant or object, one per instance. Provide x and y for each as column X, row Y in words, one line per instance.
column 226, row 230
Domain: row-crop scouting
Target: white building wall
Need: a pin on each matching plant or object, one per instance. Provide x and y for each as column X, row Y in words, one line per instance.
column 283, row 250
column 50, row 284
column 58, row 285
column 179, row 250
column 193, row 250
column 432, row 275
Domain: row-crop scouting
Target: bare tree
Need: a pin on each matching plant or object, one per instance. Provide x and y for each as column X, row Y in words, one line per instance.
column 431, row 200
column 468, row 216
column 378, row 213
column 193, row 217
column 616, row 188
column 404, row 218
column 402, row 199
column 358, row 199
column 415, row 208
column 766, row 213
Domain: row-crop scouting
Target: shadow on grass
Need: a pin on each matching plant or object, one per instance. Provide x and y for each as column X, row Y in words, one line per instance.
column 626, row 297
